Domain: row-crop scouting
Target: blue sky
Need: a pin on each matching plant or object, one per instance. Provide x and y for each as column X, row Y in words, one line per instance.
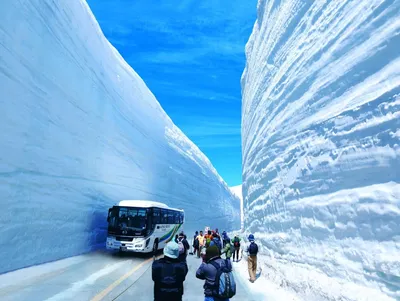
column 191, row 55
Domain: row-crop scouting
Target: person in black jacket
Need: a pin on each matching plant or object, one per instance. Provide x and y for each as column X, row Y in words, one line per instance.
column 168, row 274
column 182, row 238
column 195, row 242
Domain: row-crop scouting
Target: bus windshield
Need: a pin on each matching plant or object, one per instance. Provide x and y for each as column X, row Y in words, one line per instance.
column 127, row 220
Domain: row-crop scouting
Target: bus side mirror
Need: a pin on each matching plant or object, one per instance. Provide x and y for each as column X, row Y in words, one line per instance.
column 108, row 219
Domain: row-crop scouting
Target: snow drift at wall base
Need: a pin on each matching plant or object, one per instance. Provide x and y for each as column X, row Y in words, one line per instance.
column 81, row 131
column 321, row 152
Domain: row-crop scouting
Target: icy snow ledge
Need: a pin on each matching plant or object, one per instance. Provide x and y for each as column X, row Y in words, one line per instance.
column 79, row 131
column 321, row 152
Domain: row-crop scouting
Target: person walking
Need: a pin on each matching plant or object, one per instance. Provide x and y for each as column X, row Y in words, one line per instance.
column 183, row 246
column 224, row 238
column 227, row 250
column 236, row 247
column 168, row 274
column 216, row 241
column 201, row 240
column 210, row 271
column 208, row 238
column 252, row 250
column 195, row 244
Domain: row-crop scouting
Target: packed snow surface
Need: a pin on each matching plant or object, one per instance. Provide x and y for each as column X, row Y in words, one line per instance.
column 80, row 131
column 321, row 153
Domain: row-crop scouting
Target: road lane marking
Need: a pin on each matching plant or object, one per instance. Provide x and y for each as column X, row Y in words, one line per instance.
column 106, row 291
column 72, row 291
column 34, row 275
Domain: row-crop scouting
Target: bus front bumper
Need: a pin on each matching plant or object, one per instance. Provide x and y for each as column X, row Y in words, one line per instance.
column 126, row 246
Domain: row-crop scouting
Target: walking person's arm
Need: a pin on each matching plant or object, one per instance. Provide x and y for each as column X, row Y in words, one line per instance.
column 200, row 272
column 186, row 244
column 183, row 270
column 154, row 271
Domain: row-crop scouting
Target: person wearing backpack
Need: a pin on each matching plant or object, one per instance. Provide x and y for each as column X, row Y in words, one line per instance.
column 216, row 241
column 183, row 246
column 217, row 272
column 227, row 250
column 168, row 274
column 224, row 238
column 252, row 250
column 195, row 242
column 236, row 247
column 208, row 238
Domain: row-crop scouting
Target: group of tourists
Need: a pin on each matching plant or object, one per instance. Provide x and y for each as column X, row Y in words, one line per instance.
column 170, row 272
column 224, row 244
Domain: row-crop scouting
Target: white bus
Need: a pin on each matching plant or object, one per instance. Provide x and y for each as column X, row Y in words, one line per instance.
column 142, row 226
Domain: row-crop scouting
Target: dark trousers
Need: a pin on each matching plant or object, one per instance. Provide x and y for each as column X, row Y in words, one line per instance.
column 236, row 252
column 182, row 257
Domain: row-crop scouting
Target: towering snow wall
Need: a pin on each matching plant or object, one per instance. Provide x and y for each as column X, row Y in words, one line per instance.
column 80, row 131
column 237, row 190
column 321, row 154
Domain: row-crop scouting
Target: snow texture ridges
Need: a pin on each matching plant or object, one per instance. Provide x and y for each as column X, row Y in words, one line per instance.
column 321, row 153
column 80, row 131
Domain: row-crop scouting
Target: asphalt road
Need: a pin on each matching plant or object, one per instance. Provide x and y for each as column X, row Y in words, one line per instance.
column 101, row 276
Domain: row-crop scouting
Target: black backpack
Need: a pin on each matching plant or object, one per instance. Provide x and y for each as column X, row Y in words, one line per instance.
column 196, row 243
column 236, row 243
column 168, row 283
column 253, row 248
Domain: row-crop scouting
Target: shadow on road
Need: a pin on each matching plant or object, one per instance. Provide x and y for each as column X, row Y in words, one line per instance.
column 127, row 255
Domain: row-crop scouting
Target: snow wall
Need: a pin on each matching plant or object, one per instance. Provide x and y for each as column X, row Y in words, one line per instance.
column 237, row 190
column 321, row 154
column 80, row 131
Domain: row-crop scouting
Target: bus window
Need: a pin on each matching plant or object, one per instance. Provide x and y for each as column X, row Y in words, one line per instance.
column 132, row 218
column 164, row 216
column 176, row 218
column 113, row 217
column 156, row 216
column 170, row 217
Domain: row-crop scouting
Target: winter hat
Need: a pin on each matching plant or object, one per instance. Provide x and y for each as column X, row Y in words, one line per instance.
column 251, row 237
column 212, row 251
column 171, row 250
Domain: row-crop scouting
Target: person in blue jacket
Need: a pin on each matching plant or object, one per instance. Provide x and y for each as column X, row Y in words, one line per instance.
column 208, row 272
column 216, row 242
